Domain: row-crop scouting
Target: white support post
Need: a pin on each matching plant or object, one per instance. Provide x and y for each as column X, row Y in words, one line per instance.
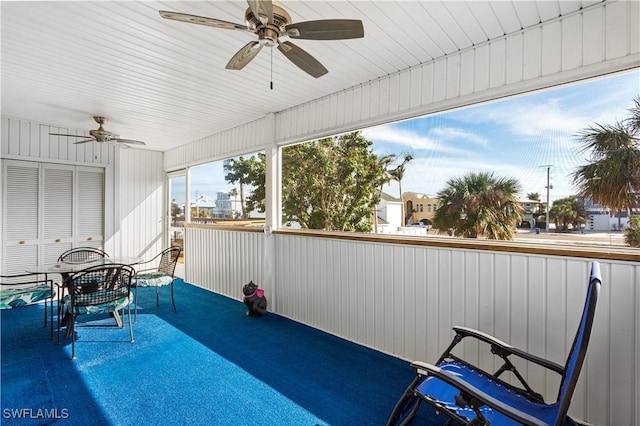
column 273, row 210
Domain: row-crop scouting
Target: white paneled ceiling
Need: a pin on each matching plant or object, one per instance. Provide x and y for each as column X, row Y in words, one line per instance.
column 165, row 82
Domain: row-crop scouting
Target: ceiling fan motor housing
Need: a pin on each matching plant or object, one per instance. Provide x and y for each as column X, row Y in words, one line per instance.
column 268, row 33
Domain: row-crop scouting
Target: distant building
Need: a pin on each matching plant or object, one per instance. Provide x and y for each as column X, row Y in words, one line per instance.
column 389, row 214
column 389, row 218
column 419, row 207
column 531, row 209
column 600, row 219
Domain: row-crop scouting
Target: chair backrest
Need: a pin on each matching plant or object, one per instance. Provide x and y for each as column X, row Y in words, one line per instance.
column 82, row 255
column 100, row 284
column 580, row 343
column 168, row 259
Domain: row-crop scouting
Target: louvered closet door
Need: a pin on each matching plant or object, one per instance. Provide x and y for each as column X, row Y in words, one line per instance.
column 21, row 182
column 90, row 207
column 57, row 210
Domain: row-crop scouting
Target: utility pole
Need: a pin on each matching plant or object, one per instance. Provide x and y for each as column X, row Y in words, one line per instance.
column 548, row 166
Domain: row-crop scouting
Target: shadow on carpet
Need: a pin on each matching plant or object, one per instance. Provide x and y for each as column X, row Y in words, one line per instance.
column 206, row 364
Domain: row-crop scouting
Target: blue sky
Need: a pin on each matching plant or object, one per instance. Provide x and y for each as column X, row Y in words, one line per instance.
column 513, row 137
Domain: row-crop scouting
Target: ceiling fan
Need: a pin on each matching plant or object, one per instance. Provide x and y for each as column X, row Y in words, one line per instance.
column 101, row 135
column 270, row 22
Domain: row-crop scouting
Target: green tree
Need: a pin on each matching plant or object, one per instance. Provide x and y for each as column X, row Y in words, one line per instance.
column 535, row 196
column 632, row 232
column 612, row 178
column 397, row 174
column 568, row 211
column 479, row 204
column 246, row 172
column 331, row 183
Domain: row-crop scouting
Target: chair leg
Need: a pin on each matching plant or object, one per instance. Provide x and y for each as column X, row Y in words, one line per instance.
column 130, row 326
column 405, row 410
column 172, row 299
column 136, row 306
column 73, row 336
column 157, row 297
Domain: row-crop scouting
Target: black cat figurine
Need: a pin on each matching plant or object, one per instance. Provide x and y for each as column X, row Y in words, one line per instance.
column 254, row 299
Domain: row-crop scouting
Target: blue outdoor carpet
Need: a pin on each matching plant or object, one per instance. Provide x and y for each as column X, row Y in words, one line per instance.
column 207, row 364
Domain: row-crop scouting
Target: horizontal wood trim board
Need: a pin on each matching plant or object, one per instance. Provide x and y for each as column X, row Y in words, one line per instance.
column 627, row 255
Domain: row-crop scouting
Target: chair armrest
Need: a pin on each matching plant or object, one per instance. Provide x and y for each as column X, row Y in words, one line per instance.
column 469, row 332
column 23, row 279
column 463, row 386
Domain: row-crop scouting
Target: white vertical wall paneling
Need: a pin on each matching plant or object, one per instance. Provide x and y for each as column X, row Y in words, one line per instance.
column 467, row 60
column 571, row 43
column 427, row 83
column 223, row 261
column 633, row 17
column 593, row 37
column 383, row 96
column 532, row 48
column 514, row 55
column 440, row 80
column 617, row 27
column 551, row 60
column 27, row 140
column 453, row 76
column 140, row 220
column 404, row 300
column 404, row 89
column 415, row 88
column 235, row 141
column 622, row 343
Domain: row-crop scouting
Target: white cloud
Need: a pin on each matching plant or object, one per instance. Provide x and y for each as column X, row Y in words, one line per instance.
column 393, row 135
column 438, row 139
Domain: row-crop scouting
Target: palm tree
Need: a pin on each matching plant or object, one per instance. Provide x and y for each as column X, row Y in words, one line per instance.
column 612, row 178
column 384, row 163
column 566, row 211
column 534, row 196
column 479, row 204
column 397, row 174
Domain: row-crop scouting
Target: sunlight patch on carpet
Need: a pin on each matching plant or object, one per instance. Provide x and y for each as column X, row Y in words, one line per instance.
column 123, row 376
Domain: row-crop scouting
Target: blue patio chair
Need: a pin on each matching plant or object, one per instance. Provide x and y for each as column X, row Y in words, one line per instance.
column 467, row 395
column 99, row 289
column 158, row 276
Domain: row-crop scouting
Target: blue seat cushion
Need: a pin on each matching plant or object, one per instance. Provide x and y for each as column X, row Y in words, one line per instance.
column 152, row 279
column 100, row 308
column 445, row 394
column 13, row 297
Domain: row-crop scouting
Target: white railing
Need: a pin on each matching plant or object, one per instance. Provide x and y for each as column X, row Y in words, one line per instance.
column 403, row 299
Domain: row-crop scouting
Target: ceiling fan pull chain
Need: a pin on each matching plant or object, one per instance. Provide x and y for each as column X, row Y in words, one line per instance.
column 271, row 76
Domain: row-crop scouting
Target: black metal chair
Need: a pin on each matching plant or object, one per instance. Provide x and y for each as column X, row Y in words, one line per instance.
column 160, row 276
column 97, row 290
column 467, row 395
column 77, row 255
column 82, row 255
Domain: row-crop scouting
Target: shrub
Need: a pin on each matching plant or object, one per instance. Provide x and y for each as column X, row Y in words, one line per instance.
column 632, row 232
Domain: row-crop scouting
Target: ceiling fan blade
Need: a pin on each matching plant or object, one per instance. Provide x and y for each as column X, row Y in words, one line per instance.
column 326, row 29
column 263, row 9
column 201, row 20
column 127, row 141
column 71, row 136
column 302, row 59
column 85, row 141
column 244, row 56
